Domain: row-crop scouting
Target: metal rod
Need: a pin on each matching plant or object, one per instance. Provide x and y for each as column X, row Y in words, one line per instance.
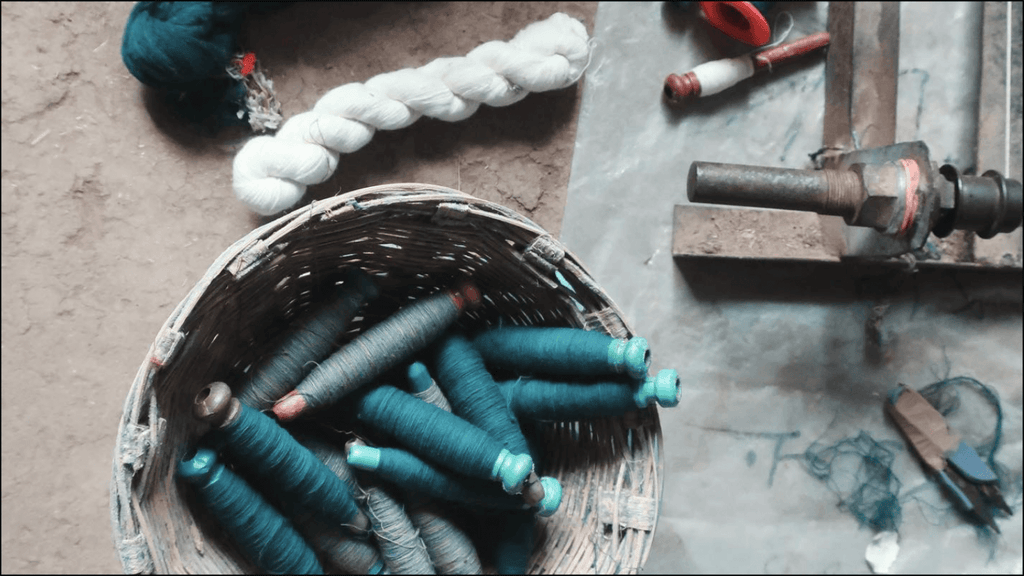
column 831, row 192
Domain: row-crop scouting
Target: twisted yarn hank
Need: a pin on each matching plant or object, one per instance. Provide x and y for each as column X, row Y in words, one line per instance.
column 271, row 173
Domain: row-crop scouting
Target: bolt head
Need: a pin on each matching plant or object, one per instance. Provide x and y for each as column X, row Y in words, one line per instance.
column 883, row 204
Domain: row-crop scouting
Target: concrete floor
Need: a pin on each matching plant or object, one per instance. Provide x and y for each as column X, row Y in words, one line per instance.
column 112, row 210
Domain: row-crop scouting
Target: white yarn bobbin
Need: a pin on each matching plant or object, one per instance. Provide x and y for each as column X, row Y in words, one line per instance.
column 271, row 173
column 721, row 74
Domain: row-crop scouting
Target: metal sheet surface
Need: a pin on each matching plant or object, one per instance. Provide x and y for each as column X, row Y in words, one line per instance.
column 776, row 357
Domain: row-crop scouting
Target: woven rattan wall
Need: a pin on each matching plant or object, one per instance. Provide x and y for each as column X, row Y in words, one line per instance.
column 415, row 239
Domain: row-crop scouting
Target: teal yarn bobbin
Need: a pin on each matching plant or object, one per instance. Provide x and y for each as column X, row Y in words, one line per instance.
column 563, row 352
column 442, row 437
column 450, row 549
column 475, row 396
column 310, row 341
column 424, row 387
column 548, row 401
column 377, row 350
column 275, row 461
column 341, row 551
column 266, row 537
column 413, row 474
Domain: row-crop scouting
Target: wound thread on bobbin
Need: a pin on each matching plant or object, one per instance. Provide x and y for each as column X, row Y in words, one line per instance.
column 476, row 397
column 713, row 77
column 349, row 555
column 266, row 538
column 309, row 342
column 400, row 544
column 377, row 350
column 414, row 474
column 268, row 454
column 442, row 437
column 549, row 401
column 562, row 352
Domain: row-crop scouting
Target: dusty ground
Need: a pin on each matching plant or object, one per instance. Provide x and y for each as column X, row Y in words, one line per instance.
column 111, row 211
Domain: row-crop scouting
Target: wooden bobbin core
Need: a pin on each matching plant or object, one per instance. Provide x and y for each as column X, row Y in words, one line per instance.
column 533, row 490
column 215, row 405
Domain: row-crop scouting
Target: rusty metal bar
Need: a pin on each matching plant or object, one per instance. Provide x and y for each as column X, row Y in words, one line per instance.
column 860, row 75
column 822, row 191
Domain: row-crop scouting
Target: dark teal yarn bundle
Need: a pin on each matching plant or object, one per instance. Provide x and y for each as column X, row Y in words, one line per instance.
column 266, row 537
column 377, row 350
column 309, row 342
column 411, row 473
column 871, row 494
column 185, row 49
column 283, row 468
column 562, row 352
column 441, row 437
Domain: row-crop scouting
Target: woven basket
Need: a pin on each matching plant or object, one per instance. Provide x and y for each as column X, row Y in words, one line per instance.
column 421, row 237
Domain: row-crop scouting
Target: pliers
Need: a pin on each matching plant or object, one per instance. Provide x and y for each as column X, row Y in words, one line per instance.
column 965, row 476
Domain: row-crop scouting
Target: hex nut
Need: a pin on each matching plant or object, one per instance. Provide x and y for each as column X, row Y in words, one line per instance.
column 883, row 203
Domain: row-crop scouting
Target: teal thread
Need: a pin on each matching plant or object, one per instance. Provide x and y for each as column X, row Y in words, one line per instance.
column 424, row 387
column 265, row 537
column 548, row 401
column 185, row 48
column 436, row 435
column 464, row 379
column 346, row 554
column 413, row 474
column 419, row 377
column 283, row 468
column 562, row 352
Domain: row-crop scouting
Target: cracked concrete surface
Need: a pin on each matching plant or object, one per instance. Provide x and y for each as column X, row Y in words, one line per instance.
column 111, row 210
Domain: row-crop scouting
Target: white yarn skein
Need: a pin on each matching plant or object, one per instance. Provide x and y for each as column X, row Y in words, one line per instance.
column 271, row 173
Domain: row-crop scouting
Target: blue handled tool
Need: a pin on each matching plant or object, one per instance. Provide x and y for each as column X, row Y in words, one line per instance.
column 965, row 476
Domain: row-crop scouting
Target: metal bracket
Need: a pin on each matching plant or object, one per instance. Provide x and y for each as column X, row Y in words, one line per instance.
column 860, row 113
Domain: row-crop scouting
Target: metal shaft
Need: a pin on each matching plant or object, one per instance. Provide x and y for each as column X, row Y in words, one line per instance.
column 838, row 193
